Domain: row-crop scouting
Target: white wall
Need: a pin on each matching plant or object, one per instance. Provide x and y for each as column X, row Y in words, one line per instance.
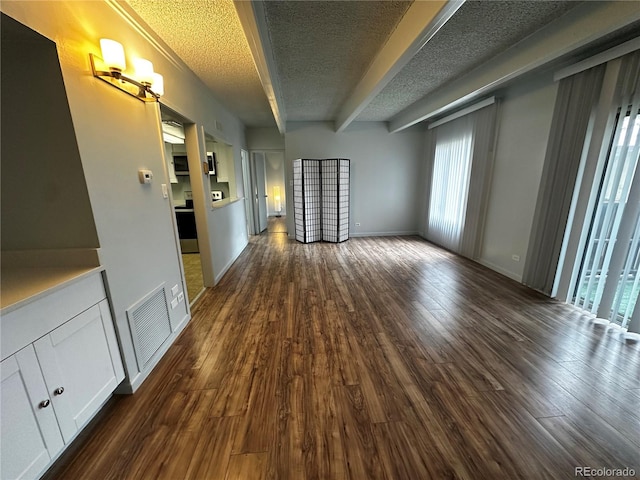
column 229, row 235
column 262, row 138
column 116, row 136
column 384, row 171
column 525, row 121
column 45, row 203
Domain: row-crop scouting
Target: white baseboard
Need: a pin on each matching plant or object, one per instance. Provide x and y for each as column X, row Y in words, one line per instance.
column 500, row 270
column 226, row 268
column 384, row 234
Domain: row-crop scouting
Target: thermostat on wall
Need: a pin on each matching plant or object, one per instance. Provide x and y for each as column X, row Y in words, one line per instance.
column 145, row 176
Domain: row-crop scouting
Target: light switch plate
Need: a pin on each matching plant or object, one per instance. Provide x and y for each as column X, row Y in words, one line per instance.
column 174, row 290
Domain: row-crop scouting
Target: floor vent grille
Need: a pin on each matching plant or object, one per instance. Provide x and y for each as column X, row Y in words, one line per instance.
column 150, row 325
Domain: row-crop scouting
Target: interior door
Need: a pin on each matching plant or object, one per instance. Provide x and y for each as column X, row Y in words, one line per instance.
column 259, row 192
column 246, row 183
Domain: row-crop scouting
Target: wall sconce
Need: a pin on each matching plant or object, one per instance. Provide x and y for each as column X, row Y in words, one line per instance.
column 148, row 85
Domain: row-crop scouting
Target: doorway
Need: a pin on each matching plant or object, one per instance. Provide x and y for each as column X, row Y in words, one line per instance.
column 173, row 133
column 259, row 191
column 269, row 191
column 608, row 282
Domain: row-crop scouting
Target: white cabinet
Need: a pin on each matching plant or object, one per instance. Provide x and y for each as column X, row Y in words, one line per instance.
column 224, row 163
column 55, row 384
column 30, row 436
column 222, row 172
column 79, row 368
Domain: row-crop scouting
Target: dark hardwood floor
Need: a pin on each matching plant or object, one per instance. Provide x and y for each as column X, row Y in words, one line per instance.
column 378, row 358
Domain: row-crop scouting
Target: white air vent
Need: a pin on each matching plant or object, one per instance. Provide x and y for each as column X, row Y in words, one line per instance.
column 150, row 325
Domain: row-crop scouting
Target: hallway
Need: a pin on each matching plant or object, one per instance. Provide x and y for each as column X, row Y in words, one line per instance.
column 277, row 224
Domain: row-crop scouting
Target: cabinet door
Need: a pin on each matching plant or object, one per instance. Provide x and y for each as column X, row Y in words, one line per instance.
column 81, row 365
column 30, row 436
column 224, row 162
column 222, row 172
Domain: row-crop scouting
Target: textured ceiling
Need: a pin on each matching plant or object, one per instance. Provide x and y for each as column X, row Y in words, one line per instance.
column 479, row 31
column 322, row 49
column 207, row 35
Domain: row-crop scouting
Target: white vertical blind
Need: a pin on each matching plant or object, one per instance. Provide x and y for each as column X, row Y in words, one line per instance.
column 608, row 283
column 450, row 183
column 576, row 98
column 627, row 293
column 484, row 140
column 460, row 152
column 606, row 225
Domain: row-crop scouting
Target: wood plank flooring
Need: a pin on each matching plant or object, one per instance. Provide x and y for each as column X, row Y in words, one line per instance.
column 378, row 358
column 192, row 275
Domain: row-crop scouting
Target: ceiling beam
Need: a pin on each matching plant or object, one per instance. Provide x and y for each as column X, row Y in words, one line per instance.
column 419, row 24
column 254, row 24
column 580, row 26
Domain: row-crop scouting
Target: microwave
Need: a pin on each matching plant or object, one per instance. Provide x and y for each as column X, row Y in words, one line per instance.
column 211, row 159
column 181, row 164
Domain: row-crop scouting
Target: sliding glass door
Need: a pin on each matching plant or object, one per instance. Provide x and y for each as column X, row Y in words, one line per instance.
column 608, row 282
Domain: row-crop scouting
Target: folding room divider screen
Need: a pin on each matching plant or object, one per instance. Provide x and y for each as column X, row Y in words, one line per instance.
column 321, row 199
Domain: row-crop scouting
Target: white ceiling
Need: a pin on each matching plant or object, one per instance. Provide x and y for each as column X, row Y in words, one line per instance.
column 208, row 37
column 322, row 49
column 477, row 32
column 323, row 58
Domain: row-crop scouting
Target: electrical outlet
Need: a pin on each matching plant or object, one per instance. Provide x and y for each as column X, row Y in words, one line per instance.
column 174, row 290
column 174, row 303
column 357, row 224
column 515, row 258
column 180, row 297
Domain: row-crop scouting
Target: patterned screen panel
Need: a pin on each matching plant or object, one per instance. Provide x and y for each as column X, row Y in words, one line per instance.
column 330, row 200
column 312, row 200
column 344, row 173
column 321, row 199
column 298, row 200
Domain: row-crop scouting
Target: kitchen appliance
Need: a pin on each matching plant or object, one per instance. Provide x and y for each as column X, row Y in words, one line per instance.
column 188, row 198
column 211, row 159
column 216, row 195
column 180, row 165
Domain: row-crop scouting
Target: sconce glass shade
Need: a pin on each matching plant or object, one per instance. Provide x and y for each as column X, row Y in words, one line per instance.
column 157, row 85
column 145, row 84
column 112, row 54
column 144, row 70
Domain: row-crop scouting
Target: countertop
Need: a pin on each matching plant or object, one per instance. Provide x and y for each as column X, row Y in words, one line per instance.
column 21, row 286
column 26, row 276
column 225, row 201
column 214, row 205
